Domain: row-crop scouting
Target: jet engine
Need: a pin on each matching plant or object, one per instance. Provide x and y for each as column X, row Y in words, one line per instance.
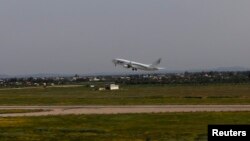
column 127, row 66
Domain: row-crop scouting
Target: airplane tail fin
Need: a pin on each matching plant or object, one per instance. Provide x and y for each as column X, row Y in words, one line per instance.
column 156, row 63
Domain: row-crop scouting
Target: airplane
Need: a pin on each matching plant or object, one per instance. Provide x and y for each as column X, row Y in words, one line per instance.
column 137, row 66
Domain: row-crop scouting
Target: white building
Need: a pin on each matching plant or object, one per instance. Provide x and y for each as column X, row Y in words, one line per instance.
column 112, row 87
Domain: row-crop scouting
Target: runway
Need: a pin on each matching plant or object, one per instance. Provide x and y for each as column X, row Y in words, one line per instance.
column 76, row 110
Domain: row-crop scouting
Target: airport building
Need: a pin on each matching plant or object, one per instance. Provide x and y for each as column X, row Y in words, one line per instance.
column 112, row 87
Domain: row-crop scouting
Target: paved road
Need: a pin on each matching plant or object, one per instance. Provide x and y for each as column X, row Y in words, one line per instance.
column 64, row 110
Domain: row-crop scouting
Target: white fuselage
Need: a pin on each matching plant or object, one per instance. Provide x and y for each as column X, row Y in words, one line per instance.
column 135, row 65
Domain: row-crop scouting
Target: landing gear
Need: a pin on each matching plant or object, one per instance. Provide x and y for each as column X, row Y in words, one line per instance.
column 134, row 69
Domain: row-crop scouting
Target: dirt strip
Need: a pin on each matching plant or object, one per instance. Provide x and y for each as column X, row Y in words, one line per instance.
column 65, row 110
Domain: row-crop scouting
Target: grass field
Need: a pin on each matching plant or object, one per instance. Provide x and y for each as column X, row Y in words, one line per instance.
column 123, row 127
column 129, row 95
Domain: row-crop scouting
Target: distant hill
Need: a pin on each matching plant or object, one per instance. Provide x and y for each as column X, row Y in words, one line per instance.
column 219, row 69
column 36, row 75
column 4, row 76
column 235, row 68
column 45, row 75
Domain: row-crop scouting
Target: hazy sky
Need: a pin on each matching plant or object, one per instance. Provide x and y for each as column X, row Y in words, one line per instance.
column 83, row 36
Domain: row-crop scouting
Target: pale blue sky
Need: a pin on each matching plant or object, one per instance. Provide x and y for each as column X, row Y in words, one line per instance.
column 83, row 36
